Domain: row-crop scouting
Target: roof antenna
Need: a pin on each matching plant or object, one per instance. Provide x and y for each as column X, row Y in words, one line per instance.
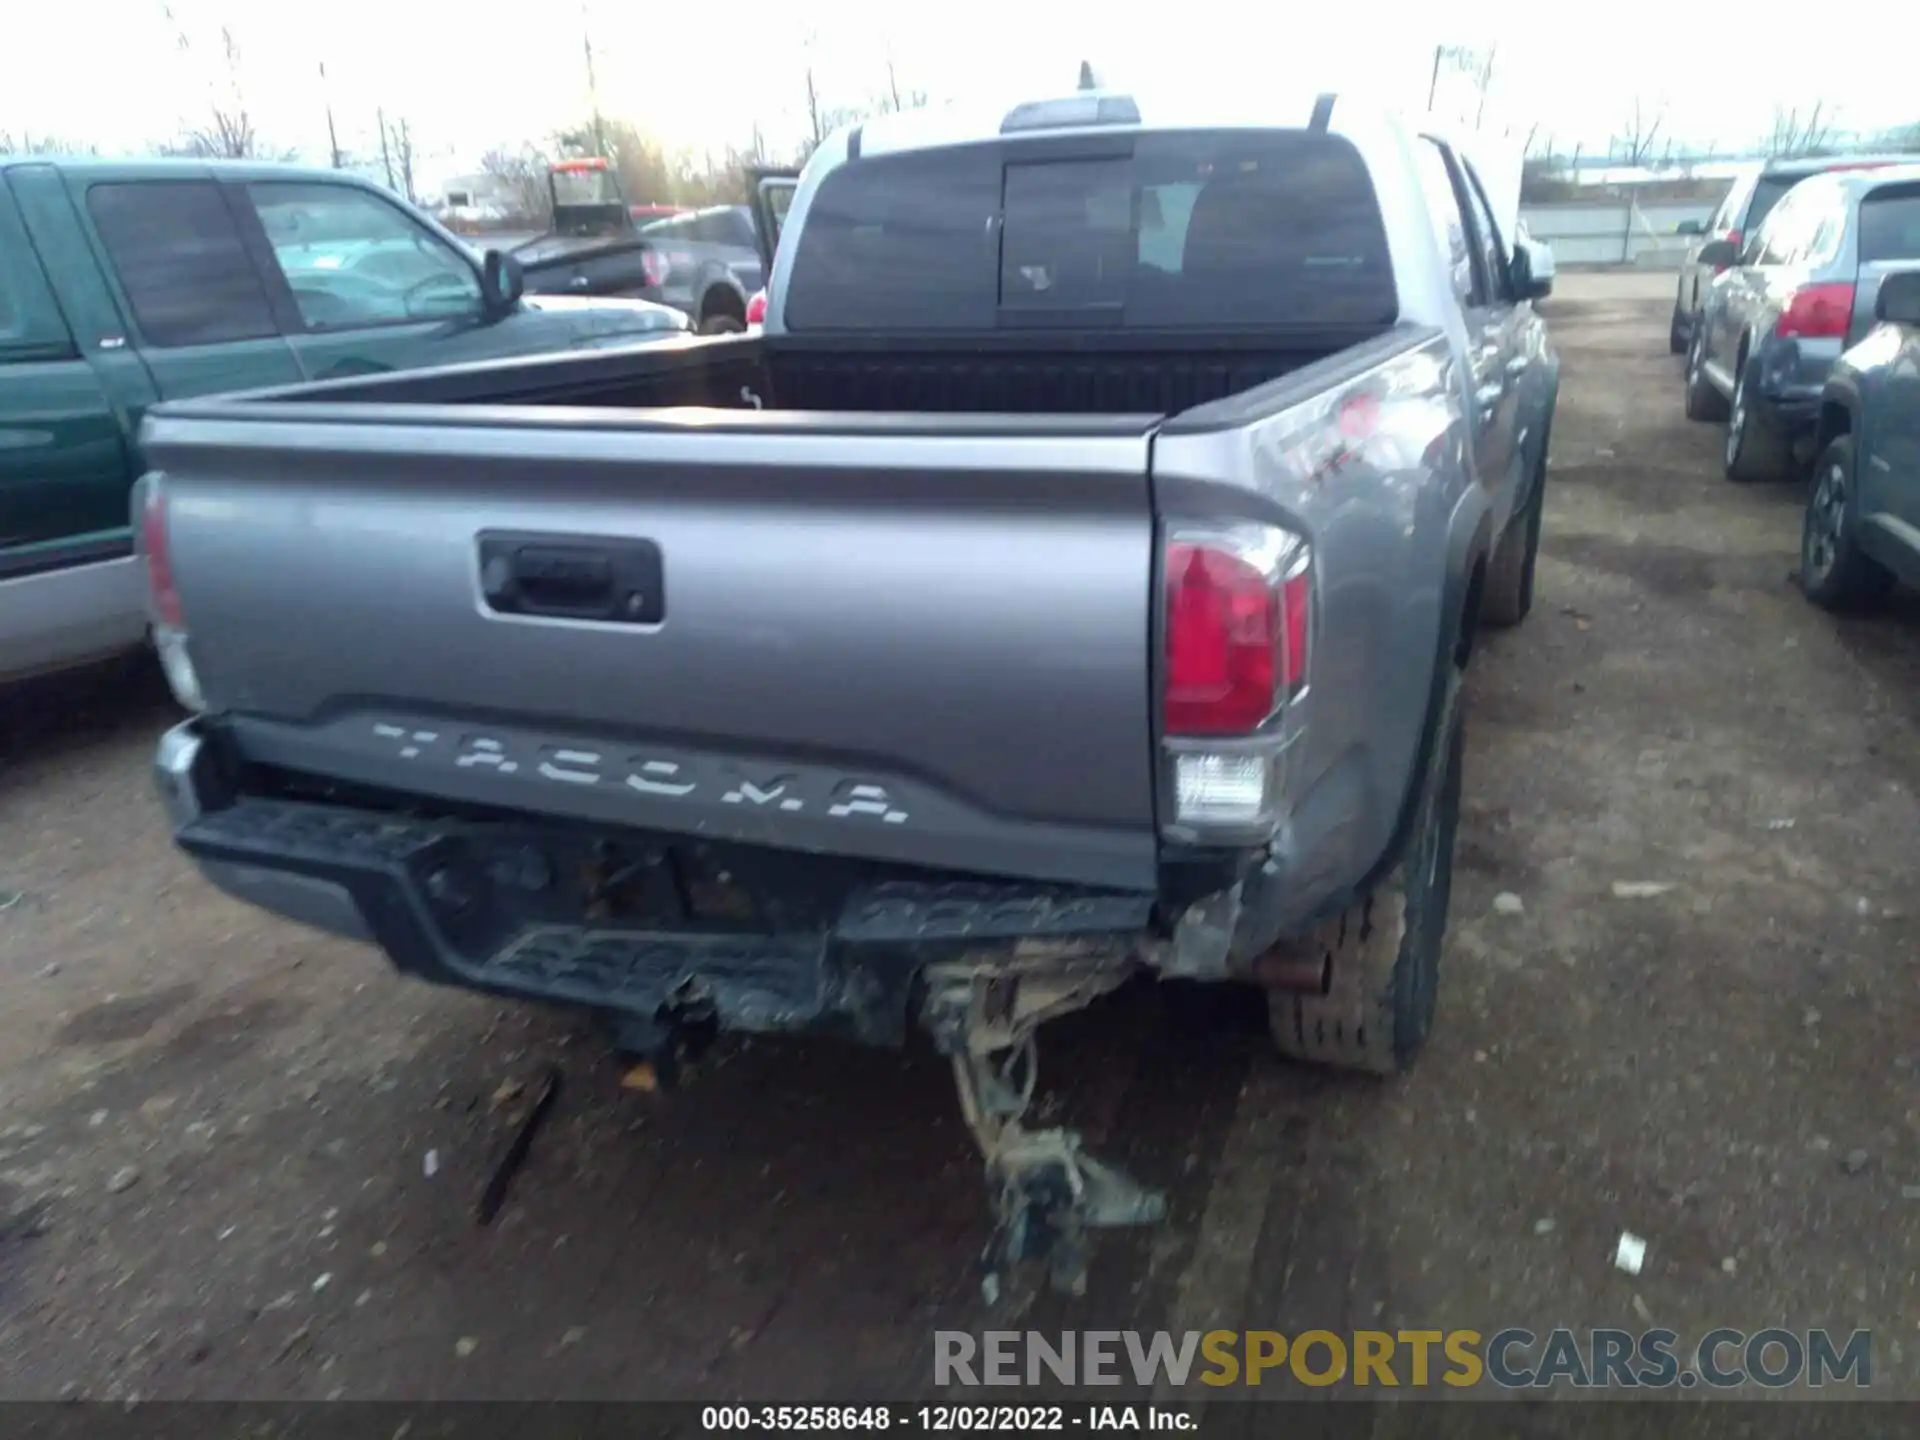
column 1087, row 82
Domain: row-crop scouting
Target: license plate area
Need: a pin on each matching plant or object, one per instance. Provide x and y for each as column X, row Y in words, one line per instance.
column 486, row 885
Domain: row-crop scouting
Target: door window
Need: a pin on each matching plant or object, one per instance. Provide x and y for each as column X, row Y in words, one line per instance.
column 678, row 228
column 1779, row 237
column 1768, row 192
column 1736, row 201
column 1449, row 227
column 353, row 260
column 1890, row 225
column 1492, row 253
column 30, row 323
column 180, row 262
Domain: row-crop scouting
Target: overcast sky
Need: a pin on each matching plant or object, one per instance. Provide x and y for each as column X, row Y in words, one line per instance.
column 470, row 75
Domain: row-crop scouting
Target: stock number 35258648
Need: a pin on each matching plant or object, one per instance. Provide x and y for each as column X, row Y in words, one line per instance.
column 936, row 1418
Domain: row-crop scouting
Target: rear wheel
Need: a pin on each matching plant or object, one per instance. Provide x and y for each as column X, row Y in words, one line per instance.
column 1382, row 955
column 1835, row 573
column 1753, row 452
column 1703, row 401
column 1509, row 590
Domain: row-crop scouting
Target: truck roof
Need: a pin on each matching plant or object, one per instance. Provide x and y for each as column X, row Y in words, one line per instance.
column 158, row 168
column 1822, row 164
column 1106, row 111
column 1101, row 111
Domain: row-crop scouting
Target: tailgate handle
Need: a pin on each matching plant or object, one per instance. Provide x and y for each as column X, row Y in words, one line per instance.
column 615, row 582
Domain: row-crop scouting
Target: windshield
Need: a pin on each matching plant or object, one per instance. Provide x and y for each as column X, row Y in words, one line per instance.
column 1173, row 231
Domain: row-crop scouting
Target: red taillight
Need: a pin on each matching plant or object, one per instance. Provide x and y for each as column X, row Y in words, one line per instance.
column 1236, row 638
column 161, row 593
column 654, row 267
column 757, row 308
column 1817, row 312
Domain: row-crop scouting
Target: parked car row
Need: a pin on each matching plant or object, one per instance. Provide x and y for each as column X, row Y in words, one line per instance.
column 126, row 284
column 1802, row 337
column 705, row 263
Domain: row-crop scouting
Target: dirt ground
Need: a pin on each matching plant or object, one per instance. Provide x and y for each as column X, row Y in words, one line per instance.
column 216, row 1130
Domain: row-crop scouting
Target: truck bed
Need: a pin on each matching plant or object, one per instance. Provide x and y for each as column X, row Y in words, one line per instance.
column 1135, row 374
column 900, row 608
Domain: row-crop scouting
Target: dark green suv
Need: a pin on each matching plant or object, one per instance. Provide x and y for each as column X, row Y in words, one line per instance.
column 126, row 283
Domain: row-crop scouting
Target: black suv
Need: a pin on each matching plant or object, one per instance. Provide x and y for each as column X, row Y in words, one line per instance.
column 1755, row 192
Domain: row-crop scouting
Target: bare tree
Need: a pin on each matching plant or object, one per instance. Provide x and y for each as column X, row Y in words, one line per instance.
column 227, row 135
column 893, row 99
column 26, row 142
column 1794, row 134
column 522, row 176
column 396, row 141
column 1476, row 65
column 816, row 117
column 1633, row 145
column 228, row 132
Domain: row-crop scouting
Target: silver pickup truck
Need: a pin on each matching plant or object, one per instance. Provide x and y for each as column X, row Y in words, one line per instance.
column 1071, row 582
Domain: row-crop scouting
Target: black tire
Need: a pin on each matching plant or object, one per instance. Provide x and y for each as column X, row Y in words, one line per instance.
column 1753, row 452
column 1508, row 593
column 1835, row 573
column 1703, row 402
column 1676, row 336
column 1383, row 951
column 723, row 324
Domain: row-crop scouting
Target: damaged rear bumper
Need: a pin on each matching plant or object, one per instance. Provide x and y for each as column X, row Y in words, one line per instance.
column 492, row 905
column 625, row 924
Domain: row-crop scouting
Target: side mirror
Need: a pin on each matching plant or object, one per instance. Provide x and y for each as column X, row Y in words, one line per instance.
column 1532, row 270
column 1899, row 299
column 1718, row 253
column 502, row 282
column 1691, row 227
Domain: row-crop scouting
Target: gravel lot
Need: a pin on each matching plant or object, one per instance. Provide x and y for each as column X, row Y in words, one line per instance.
column 216, row 1130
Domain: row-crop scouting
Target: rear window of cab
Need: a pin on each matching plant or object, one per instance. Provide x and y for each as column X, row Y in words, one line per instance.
column 1178, row 230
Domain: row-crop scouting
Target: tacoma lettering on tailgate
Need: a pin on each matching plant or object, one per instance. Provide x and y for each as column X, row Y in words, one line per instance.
column 703, row 781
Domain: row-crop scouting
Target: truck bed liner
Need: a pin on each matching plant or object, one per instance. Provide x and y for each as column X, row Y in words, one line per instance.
column 1030, row 374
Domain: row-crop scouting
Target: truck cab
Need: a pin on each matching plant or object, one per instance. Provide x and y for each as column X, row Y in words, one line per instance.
column 123, row 284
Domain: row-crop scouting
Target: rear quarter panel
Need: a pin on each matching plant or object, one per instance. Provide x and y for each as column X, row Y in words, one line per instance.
column 1395, row 527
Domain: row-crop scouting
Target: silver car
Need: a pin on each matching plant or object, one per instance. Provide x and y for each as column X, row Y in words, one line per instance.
column 1799, row 292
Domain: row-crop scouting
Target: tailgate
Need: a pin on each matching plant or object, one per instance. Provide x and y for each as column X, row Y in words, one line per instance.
column 915, row 639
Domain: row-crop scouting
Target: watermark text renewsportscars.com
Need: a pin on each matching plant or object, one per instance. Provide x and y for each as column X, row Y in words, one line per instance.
column 1510, row 1359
